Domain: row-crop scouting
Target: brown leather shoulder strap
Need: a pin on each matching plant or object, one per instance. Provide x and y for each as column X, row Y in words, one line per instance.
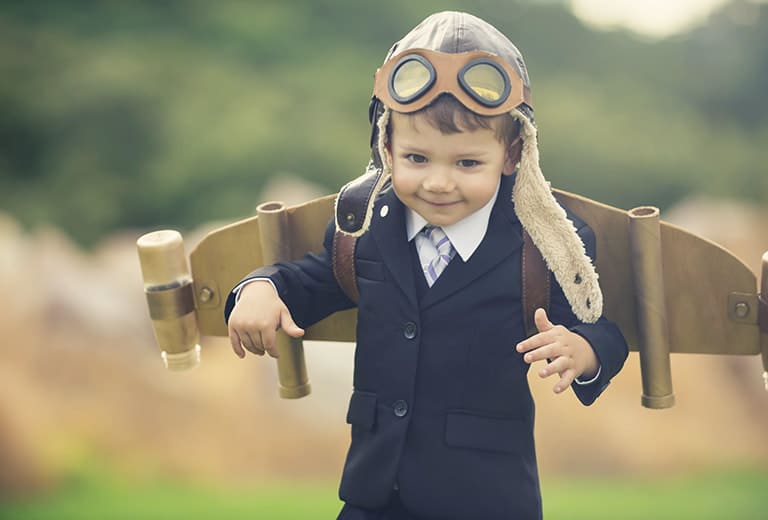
column 344, row 263
column 536, row 280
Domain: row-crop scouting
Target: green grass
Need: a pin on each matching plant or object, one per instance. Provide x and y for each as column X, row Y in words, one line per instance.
column 105, row 497
column 732, row 495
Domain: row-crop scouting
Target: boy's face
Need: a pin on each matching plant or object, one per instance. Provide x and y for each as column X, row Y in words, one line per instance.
column 444, row 177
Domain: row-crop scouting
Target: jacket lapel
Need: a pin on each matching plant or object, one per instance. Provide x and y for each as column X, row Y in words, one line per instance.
column 388, row 230
column 502, row 239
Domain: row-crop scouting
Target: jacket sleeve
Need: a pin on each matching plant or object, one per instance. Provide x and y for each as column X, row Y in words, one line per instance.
column 307, row 286
column 604, row 336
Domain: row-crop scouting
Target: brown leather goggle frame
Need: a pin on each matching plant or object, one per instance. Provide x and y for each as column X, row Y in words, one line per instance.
column 447, row 67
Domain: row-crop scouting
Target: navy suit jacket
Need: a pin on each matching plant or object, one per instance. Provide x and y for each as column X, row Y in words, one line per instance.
column 441, row 406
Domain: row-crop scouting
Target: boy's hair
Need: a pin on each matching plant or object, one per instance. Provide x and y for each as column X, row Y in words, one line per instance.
column 449, row 116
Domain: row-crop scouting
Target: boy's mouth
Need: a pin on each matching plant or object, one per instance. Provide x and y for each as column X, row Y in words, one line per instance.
column 440, row 203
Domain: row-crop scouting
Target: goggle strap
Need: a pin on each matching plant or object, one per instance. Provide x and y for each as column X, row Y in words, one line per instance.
column 446, row 80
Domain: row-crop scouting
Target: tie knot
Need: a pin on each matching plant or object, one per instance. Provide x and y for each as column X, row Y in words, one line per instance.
column 437, row 236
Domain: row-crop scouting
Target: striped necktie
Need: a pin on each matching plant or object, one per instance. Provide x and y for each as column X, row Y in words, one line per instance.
column 442, row 254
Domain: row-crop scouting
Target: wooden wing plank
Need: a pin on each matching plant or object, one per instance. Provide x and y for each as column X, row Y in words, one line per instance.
column 219, row 261
column 224, row 256
column 307, row 224
column 699, row 276
column 699, row 279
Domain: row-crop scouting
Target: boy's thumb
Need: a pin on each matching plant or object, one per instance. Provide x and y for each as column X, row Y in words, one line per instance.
column 289, row 326
column 542, row 321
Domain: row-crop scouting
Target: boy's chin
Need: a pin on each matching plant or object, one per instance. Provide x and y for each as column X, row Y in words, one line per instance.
column 440, row 220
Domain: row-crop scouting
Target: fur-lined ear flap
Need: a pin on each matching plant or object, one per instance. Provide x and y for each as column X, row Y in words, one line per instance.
column 382, row 124
column 551, row 231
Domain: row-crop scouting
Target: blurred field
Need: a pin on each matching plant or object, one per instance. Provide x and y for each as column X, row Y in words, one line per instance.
column 83, row 387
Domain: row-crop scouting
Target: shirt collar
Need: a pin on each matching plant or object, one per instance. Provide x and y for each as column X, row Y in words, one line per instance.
column 465, row 235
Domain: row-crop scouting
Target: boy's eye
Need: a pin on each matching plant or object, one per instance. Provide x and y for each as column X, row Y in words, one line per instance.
column 416, row 158
column 468, row 163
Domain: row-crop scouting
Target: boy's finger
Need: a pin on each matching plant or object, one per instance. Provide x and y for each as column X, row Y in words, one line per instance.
column 268, row 341
column 234, row 339
column 531, row 343
column 288, row 325
column 252, row 346
column 541, row 320
column 566, row 378
column 546, row 351
column 534, row 342
column 558, row 365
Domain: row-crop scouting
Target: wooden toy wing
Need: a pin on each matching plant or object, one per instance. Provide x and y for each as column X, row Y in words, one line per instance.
column 228, row 254
column 709, row 297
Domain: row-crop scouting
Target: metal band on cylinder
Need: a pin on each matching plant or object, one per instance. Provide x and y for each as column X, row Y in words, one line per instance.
column 168, row 303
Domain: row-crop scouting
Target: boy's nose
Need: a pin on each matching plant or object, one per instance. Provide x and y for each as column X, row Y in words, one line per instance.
column 439, row 180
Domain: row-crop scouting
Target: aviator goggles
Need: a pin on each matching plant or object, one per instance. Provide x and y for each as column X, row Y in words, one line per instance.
column 482, row 82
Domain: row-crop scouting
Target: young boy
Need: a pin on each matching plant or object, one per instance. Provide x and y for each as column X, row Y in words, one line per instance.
column 441, row 412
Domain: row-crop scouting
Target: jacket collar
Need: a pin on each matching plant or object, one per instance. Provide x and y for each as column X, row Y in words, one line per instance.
column 501, row 240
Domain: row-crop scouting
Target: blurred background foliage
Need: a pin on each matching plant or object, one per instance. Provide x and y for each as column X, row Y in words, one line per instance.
column 144, row 114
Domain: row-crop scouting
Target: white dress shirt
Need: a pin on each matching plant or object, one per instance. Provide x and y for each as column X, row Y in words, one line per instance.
column 465, row 235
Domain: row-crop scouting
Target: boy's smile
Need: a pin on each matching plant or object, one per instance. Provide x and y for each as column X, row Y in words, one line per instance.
column 444, row 177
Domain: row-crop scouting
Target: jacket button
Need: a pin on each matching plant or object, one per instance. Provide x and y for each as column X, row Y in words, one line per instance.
column 400, row 408
column 409, row 330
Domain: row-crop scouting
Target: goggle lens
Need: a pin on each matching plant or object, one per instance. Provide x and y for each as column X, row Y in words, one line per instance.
column 486, row 82
column 411, row 79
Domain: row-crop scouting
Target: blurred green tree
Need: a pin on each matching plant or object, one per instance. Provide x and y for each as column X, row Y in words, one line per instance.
column 146, row 114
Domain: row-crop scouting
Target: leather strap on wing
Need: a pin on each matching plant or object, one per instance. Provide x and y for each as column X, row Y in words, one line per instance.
column 536, row 283
column 344, row 263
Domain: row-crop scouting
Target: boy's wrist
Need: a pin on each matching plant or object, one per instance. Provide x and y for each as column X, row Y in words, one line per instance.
column 238, row 290
column 586, row 379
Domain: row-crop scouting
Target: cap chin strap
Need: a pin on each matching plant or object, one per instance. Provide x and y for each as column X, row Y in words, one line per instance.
column 551, row 231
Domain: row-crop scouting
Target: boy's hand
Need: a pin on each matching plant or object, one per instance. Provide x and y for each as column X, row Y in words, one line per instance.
column 570, row 354
column 258, row 313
